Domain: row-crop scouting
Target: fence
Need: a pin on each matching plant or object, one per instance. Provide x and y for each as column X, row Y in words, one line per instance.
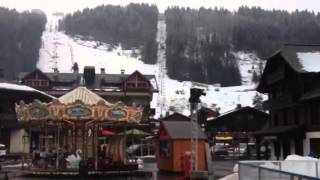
column 279, row 170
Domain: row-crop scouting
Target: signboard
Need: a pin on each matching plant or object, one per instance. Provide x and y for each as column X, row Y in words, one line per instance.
column 117, row 113
column 38, row 112
column 78, row 111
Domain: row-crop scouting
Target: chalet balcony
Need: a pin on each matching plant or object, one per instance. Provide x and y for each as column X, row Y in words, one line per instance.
column 279, row 103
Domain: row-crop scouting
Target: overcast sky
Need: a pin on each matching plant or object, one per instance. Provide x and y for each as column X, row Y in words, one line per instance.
column 72, row 5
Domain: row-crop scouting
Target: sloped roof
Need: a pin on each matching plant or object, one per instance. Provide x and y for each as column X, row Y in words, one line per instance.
column 310, row 95
column 302, row 58
column 182, row 129
column 107, row 78
column 236, row 110
column 18, row 87
column 83, row 94
column 176, row 117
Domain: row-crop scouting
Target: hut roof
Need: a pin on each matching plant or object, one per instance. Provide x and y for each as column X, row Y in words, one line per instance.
column 83, row 94
column 182, row 129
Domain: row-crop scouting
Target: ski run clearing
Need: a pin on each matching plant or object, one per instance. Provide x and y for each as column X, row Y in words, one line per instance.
column 61, row 51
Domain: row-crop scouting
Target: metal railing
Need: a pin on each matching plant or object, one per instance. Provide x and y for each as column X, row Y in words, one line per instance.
column 279, row 170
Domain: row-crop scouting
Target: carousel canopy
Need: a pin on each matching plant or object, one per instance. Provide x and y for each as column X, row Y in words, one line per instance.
column 79, row 105
column 84, row 95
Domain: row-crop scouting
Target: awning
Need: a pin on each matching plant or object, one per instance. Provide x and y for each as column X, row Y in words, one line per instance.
column 279, row 130
column 105, row 132
column 311, row 95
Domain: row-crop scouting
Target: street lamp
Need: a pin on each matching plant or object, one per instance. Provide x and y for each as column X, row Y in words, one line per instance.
column 25, row 139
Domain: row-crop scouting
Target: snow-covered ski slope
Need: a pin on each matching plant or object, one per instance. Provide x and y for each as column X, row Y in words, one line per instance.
column 61, row 51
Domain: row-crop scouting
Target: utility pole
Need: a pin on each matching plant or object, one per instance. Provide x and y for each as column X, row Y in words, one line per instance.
column 194, row 100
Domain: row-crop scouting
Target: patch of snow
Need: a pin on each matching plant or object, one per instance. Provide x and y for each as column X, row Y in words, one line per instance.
column 234, row 176
column 248, row 64
column 310, row 61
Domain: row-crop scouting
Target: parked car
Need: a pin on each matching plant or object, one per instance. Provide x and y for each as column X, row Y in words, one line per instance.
column 3, row 150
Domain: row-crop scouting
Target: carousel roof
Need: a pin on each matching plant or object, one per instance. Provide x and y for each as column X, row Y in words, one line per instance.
column 83, row 94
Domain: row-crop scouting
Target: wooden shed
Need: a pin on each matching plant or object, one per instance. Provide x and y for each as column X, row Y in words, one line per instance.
column 174, row 140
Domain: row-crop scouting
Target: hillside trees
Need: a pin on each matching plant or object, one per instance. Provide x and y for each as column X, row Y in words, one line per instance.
column 199, row 44
column 133, row 26
column 20, row 40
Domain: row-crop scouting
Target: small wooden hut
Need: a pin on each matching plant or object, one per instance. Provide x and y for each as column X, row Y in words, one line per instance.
column 174, row 140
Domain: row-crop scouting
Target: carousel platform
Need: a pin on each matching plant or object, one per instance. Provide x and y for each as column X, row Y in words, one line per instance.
column 124, row 171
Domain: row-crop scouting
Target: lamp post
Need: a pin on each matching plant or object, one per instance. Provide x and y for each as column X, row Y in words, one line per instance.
column 25, row 138
column 194, row 100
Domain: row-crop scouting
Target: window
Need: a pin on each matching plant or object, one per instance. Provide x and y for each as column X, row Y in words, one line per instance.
column 314, row 114
column 296, row 116
column 285, row 118
column 44, row 83
column 1, row 73
column 165, row 148
column 36, row 83
column 130, row 85
column 275, row 120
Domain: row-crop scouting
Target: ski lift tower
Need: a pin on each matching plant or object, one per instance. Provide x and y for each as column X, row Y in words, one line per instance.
column 194, row 100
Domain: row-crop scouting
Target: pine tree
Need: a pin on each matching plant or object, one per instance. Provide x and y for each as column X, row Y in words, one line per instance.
column 258, row 102
column 255, row 77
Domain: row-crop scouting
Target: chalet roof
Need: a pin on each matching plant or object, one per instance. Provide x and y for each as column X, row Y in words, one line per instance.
column 237, row 110
column 302, row 58
column 83, row 94
column 106, row 78
column 182, row 129
column 176, row 117
column 310, row 95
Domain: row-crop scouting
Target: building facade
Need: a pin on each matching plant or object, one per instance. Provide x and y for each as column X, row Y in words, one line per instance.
column 291, row 79
column 135, row 88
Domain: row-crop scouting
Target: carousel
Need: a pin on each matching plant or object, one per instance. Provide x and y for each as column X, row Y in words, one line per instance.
column 64, row 134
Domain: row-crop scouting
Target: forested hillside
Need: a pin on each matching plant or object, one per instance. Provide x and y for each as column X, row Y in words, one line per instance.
column 200, row 43
column 134, row 26
column 20, row 40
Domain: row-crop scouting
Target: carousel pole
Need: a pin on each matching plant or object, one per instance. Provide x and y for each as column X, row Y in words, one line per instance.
column 96, row 146
column 83, row 140
column 58, row 146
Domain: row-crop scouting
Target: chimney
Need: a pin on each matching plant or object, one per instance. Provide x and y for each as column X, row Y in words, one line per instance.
column 102, row 71
column 89, row 74
column 122, row 71
column 238, row 106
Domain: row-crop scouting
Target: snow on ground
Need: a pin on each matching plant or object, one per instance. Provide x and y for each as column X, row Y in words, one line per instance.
column 61, row 51
column 309, row 61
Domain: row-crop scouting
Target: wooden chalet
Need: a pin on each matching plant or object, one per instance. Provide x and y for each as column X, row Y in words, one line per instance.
column 291, row 79
column 11, row 132
column 135, row 88
column 173, row 141
column 239, row 124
